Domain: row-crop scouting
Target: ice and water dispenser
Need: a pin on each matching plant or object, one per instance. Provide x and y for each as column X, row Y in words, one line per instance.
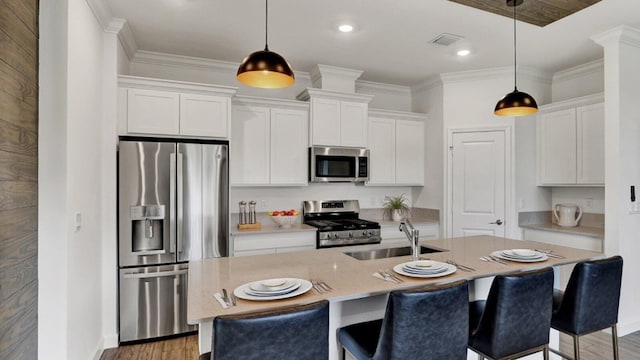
column 147, row 224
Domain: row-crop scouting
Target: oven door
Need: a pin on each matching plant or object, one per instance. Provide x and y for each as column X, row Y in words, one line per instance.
column 328, row 164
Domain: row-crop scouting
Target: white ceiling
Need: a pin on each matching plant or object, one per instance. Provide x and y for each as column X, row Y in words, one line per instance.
column 391, row 40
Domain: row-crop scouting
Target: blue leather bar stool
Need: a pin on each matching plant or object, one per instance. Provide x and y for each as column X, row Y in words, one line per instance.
column 296, row 332
column 424, row 323
column 515, row 319
column 590, row 302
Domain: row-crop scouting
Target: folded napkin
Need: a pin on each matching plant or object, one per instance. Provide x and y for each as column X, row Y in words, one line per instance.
column 220, row 300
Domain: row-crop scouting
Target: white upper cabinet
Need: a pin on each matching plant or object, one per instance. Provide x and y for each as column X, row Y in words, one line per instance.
column 153, row 111
column 590, row 134
column 164, row 107
column 269, row 142
column 397, row 145
column 570, row 142
column 204, row 115
column 337, row 119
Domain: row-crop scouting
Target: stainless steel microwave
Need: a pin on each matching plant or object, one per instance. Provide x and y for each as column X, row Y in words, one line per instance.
column 338, row 164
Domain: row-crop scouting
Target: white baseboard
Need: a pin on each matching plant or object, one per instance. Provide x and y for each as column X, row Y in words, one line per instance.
column 627, row 328
column 107, row 342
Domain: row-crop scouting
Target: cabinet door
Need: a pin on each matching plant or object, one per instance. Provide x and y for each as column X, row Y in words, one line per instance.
column 410, row 152
column 325, row 122
column 382, row 151
column 249, row 148
column 353, row 124
column 153, row 112
column 289, row 147
column 590, row 136
column 204, row 115
column 557, row 147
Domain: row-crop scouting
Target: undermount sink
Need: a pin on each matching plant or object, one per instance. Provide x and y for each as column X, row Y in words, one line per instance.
column 388, row 252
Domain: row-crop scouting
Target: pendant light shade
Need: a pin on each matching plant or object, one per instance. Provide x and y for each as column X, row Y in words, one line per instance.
column 265, row 69
column 515, row 103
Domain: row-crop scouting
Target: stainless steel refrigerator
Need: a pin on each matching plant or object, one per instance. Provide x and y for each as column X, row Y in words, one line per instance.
column 173, row 206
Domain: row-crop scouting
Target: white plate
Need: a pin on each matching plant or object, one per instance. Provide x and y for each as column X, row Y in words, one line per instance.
column 508, row 254
column 424, row 265
column 240, row 291
column 418, row 272
column 294, row 286
column 450, row 269
column 272, row 285
column 500, row 255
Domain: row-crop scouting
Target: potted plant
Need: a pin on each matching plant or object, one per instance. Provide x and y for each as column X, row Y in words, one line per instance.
column 396, row 207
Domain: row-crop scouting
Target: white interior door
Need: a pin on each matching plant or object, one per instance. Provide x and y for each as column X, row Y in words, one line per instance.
column 478, row 190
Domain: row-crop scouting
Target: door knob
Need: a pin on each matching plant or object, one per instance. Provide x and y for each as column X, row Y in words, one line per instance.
column 497, row 222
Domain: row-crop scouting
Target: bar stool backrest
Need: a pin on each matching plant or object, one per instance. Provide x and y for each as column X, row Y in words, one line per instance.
column 592, row 296
column 298, row 332
column 431, row 323
column 517, row 314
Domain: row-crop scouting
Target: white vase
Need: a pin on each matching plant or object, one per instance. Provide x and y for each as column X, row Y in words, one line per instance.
column 396, row 215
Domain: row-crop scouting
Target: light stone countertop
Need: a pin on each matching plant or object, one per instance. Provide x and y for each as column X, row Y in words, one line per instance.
column 576, row 230
column 349, row 278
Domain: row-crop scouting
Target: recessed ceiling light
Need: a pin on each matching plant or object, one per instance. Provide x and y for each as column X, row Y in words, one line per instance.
column 464, row 52
column 345, row 28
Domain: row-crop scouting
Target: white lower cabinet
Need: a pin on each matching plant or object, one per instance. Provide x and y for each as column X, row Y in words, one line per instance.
column 269, row 143
column 397, row 145
column 270, row 243
column 577, row 241
column 391, row 234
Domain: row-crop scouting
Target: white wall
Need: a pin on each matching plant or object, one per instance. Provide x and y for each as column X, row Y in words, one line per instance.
column 590, row 199
column 70, row 262
column 428, row 98
column 585, row 79
column 469, row 99
column 53, row 219
column 277, row 198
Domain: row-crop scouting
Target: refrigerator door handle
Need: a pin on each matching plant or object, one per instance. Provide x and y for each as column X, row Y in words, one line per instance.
column 136, row 275
column 180, row 194
column 172, row 208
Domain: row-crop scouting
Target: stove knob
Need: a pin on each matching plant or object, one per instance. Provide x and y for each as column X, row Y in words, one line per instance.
column 350, row 234
column 335, row 235
column 364, row 233
column 370, row 233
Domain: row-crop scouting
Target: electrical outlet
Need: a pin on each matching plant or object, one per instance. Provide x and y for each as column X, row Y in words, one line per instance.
column 77, row 221
column 263, row 205
column 589, row 203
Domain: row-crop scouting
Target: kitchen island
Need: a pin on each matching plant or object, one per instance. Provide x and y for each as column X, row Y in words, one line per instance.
column 357, row 295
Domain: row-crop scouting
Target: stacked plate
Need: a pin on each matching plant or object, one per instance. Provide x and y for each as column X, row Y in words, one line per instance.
column 520, row 255
column 424, row 269
column 272, row 289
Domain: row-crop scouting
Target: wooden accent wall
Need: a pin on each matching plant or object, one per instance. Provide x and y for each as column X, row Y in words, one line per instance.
column 18, row 179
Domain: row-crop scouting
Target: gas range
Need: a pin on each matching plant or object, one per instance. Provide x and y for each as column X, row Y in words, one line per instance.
column 338, row 223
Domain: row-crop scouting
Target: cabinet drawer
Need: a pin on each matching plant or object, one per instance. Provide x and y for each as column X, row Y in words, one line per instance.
column 306, row 239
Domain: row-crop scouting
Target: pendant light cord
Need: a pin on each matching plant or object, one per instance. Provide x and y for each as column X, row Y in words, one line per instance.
column 515, row 50
column 266, row 27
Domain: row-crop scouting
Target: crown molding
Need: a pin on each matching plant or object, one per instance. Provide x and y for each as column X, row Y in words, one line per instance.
column 308, row 93
column 261, row 101
column 493, row 73
column 101, row 11
column 196, row 63
column 428, row 84
column 363, row 86
column 126, row 38
column 175, row 86
column 624, row 34
column 393, row 114
column 570, row 103
column 593, row 67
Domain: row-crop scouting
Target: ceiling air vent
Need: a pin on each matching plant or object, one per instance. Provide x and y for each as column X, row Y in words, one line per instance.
column 445, row 39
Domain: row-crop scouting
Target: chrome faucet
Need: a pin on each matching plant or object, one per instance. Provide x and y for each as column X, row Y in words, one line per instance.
column 413, row 235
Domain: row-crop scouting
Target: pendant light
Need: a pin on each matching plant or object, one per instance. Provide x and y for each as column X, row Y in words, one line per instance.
column 516, row 103
column 265, row 69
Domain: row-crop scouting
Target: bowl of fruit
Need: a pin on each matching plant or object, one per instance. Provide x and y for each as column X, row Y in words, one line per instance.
column 285, row 218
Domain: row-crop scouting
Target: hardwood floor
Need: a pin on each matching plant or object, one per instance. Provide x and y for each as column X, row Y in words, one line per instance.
column 595, row 346
column 181, row 348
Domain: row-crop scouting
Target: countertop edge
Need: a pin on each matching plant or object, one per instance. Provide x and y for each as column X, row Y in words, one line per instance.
column 578, row 230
